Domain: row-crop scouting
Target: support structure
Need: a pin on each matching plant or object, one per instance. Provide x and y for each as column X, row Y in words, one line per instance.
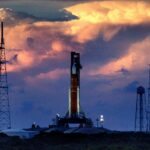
column 140, row 113
column 74, row 114
column 148, row 104
column 5, row 121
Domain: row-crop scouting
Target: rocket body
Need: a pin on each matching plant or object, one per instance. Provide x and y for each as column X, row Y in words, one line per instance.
column 74, row 104
column 74, row 92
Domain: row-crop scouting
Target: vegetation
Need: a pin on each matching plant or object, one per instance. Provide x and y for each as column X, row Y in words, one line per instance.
column 60, row 141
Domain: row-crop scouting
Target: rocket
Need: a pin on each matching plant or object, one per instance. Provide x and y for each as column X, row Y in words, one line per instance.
column 74, row 91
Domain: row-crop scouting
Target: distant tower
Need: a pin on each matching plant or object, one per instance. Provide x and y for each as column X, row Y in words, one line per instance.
column 148, row 104
column 4, row 98
column 140, row 113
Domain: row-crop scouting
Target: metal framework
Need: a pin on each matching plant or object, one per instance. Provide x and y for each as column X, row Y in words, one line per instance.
column 148, row 105
column 140, row 112
column 5, row 121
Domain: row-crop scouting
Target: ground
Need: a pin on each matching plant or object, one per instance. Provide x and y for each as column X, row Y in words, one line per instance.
column 59, row 141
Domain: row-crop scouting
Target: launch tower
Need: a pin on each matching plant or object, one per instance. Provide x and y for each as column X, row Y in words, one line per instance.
column 4, row 98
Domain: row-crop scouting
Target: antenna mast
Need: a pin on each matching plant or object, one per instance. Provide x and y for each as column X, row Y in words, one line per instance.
column 5, row 121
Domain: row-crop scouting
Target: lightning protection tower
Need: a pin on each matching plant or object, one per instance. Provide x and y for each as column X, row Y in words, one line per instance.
column 5, row 121
column 140, row 112
column 148, row 105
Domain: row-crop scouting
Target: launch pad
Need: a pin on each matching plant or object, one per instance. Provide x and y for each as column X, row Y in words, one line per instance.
column 74, row 114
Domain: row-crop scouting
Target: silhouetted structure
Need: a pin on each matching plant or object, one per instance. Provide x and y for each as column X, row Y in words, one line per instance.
column 74, row 114
column 5, row 121
column 140, row 113
column 148, row 105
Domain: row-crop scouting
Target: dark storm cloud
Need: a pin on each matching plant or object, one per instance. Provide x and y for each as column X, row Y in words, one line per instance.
column 11, row 17
column 53, row 10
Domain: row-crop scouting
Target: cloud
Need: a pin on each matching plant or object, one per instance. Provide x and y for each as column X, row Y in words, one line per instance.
column 38, row 41
column 106, row 17
column 52, row 75
column 22, row 59
column 112, row 12
column 136, row 59
column 10, row 17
